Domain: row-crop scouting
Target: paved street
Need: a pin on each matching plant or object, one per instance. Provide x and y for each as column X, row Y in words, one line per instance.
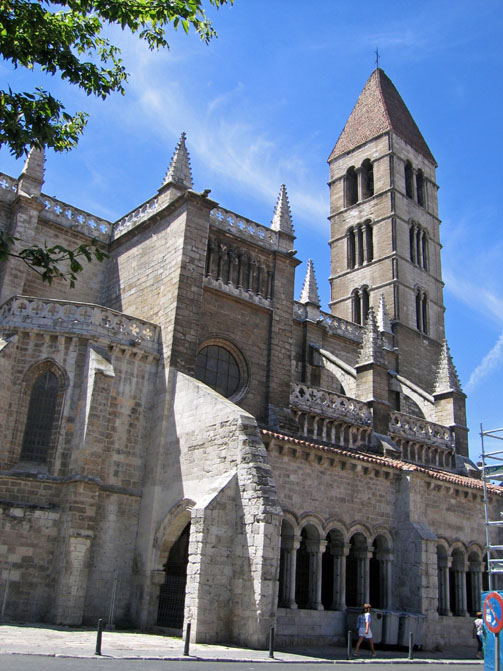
column 36, row 663
column 40, row 645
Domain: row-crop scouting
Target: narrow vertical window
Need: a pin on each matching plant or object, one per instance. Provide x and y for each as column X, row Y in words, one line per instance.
column 369, row 234
column 367, row 179
column 420, row 188
column 357, row 311
column 40, row 419
column 351, row 248
column 409, row 187
column 351, row 187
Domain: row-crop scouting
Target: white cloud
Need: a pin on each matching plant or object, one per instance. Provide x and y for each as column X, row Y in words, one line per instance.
column 492, row 360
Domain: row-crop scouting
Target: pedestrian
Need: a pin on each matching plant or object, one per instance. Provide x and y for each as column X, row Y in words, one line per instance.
column 364, row 631
column 478, row 632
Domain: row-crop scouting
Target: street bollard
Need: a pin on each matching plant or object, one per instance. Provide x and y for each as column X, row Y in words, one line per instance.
column 411, row 645
column 98, row 638
column 349, row 648
column 187, row 640
column 271, row 642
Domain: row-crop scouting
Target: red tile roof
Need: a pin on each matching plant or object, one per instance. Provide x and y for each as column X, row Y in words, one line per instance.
column 379, row 109
column 396, row 464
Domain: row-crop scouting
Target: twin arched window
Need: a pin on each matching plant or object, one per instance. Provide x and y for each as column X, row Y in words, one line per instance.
column 418, row 244
column 360, row 245
column 414, row 184
column 422, row 319
column 360, row 301
column 359, row 183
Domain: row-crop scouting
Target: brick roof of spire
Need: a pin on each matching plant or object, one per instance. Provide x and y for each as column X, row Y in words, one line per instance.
column 380, row 108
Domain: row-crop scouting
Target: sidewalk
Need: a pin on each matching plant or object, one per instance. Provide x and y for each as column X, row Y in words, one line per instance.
column 78, row 642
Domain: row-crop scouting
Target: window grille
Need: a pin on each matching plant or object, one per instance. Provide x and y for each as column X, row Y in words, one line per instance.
column 40, row 419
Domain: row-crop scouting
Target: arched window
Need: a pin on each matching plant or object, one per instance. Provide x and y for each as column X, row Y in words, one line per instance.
column 422, row 311
column 409, row 183
column 418, row 245
column 221, row 366
column 367, row 179
column 360, row 305
column 332, row 586
column 457, row 583
column 351, row 247
column 351, row 187
column 356, row 571
column 38, row 435
column 420, row 188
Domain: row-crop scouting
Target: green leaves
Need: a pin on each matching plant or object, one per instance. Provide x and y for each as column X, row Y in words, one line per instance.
column 65, row 38
column 56, row 262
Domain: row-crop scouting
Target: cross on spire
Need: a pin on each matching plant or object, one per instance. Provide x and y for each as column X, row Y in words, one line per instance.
column 377, row 57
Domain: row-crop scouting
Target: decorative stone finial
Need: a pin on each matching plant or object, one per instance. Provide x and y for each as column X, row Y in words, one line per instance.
column 32, row 175
column 447, row 379
column 282, row 219
column 371, row 350
column 179, row 170
column 382, row 317
column 309, row 292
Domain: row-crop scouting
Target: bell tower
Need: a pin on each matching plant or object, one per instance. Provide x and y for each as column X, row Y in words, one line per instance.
column 384, row 236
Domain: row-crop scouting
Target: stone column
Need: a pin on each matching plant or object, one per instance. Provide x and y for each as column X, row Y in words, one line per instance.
column 476, row 584
column 315, row 549
column 443, row 585
column 340, row 553
column 290, row 544
column 460, row 588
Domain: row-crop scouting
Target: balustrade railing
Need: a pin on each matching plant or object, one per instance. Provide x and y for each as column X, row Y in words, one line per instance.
column 329, row 404
column 335, row 325
column 133, row 218
column 234, row 223
column 92, row 320
column 8, row 186
column 415, row 428
column 72, row 217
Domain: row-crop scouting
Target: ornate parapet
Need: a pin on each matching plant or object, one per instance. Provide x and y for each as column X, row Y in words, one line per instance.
column 329, row 403
column 8, row 187
column 244, row 228
column 334, row 325
column 95, row 321
column 133, row 218
column 71, row 217
column 423, row 442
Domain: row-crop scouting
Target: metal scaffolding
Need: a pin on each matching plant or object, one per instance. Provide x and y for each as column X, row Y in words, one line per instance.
column 492, row 469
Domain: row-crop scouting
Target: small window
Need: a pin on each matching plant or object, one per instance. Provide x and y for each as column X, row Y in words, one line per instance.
column 367, row 179
column 221, row 366
column 409, row 174
column 38, row 432
column 420, row 187
column 351, row 187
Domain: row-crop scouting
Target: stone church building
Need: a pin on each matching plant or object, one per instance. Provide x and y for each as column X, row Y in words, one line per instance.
column 183, row 440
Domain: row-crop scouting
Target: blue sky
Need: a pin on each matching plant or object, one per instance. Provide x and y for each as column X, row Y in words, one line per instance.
column 264, row 105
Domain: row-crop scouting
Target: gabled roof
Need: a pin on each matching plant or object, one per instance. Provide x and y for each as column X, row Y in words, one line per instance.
column 379, row 109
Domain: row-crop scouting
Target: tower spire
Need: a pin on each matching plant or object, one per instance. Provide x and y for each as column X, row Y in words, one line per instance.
column 179, row 170
column 309, row 292
column 282, row 219
column 382, row 317
column 371, row 350
column 447, row 379
column 31, row 178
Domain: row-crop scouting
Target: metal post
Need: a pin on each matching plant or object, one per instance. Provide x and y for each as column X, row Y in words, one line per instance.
column 411, row 645
column 187, row 640
column 349, row 645
column 98, row 637
column 6, row 591
column 113, row 598
column 497, row 652
column 271, row 642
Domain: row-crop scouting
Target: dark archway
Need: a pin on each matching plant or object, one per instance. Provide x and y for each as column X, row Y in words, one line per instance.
column 172, row 592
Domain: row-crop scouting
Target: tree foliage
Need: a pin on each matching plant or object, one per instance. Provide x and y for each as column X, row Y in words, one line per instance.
column 56, row 262
column 66, row 37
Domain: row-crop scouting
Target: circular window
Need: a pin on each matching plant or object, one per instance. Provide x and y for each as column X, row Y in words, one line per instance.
column 221, row 369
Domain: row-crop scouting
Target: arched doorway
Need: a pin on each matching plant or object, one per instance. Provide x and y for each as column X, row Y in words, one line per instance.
column 172, row 592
